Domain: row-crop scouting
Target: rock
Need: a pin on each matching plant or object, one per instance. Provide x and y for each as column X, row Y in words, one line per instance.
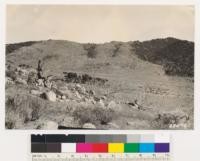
column 65, row 92
column 80, row 89
column 47, row 83
column 92, row 101
column 22, row 72
column 40, row 82
column 69, row 122
column 53, row 85
column 89, row 126
column 91, row 92
column 21, row 81
column 48, row 125
column 59, row 97
column 97, row 99
column 9, row 80
column 103, row 97
column 171, row 126
column 78, row 95
column 113, row 125
column 101, row 104
column 112, row 105
column 51, row 96
column 61, row 100
column 35, row 92
column 63, row 97
column 84, row 99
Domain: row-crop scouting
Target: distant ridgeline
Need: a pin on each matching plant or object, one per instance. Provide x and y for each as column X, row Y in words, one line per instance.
column 12, row 47
column 176, row 56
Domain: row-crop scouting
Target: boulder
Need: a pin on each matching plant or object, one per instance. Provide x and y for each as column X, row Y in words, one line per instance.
column 77, row 95
column 48, row 125
column 40, row 82
column 63, row 97
column 53, row 85
column 89, row 126
column 103, row 97
column 65, row 92
column 50, row 96
column 21, row 81
column 112, row 105
column 47, row 83
column 35, row 92
column 101, row 104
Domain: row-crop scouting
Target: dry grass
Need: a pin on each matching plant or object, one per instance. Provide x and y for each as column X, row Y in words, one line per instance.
column 21, row 109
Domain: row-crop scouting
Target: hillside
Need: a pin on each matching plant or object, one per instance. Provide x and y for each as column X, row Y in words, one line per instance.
column 103, row 81
column 176, row 56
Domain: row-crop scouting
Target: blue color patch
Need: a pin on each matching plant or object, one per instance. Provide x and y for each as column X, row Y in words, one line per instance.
column 147, row 148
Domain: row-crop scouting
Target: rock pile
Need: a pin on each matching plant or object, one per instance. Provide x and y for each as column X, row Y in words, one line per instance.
column 19, row 75
column 52, row 91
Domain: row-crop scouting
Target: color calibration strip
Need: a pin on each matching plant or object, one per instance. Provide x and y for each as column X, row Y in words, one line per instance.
column 145, row 143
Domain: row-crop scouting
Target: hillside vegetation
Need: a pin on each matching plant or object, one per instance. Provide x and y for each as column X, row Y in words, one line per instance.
column 176, row 56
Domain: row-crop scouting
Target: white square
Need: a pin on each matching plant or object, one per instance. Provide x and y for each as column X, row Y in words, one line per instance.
column 68, row 147
column 162, row 138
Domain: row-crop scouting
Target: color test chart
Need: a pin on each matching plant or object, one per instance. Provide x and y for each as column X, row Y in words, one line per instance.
column 100, row 147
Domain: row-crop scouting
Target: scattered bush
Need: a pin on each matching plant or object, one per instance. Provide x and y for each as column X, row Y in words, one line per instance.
column 116, row 49
column 91, row 50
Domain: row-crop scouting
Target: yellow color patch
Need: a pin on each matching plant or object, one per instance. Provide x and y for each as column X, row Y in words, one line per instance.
column 115, row 147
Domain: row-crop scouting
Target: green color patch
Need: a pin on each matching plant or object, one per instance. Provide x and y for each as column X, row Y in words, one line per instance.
column 131, row 148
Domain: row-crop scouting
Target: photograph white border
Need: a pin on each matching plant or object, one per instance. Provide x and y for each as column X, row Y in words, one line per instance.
column 181, row 139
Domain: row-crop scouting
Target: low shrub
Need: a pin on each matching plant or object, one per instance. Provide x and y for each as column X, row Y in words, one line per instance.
column 91, row 50
column 95, row 115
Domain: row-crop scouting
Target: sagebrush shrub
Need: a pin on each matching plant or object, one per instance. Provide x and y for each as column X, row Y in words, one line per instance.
column 95, row 115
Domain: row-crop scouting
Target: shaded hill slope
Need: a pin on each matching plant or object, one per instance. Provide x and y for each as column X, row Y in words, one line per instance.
column 176, row 56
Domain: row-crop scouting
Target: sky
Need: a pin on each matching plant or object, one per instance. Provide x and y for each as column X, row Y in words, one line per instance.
column 98, row 24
